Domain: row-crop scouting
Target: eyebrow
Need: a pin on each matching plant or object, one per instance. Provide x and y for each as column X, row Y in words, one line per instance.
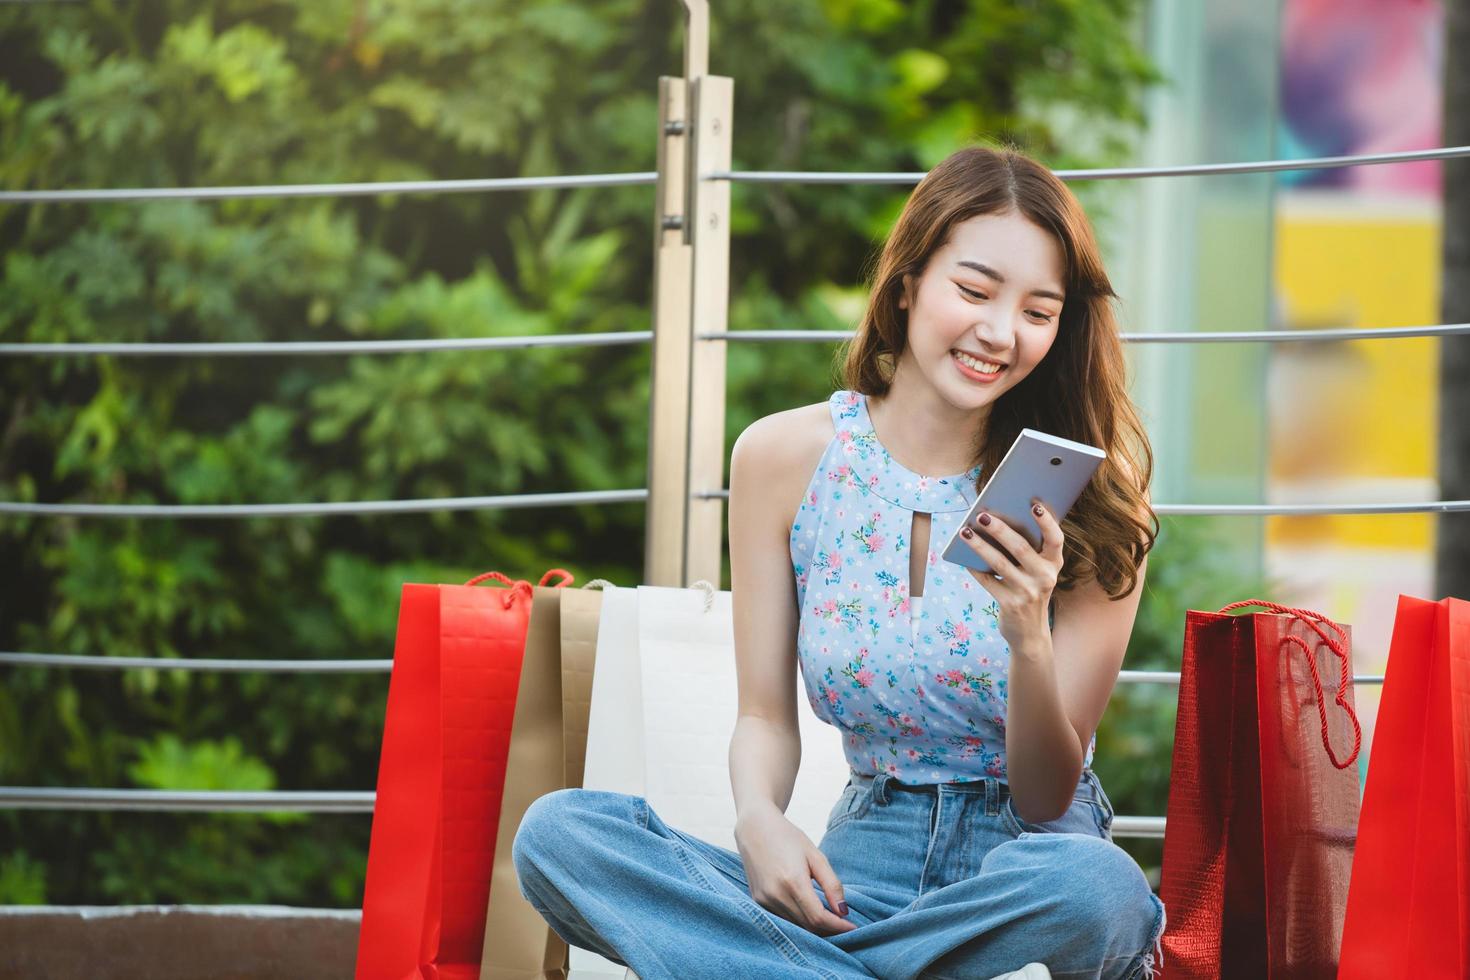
column 986, row 270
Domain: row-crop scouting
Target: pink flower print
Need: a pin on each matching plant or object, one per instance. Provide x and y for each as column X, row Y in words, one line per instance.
column 984, row 661
column 961, row 633
column 993, row 768
column 907, row 719
column 873, row 482
column 892, row 769
column 953, row 677
column 832, row 696
column 913, row 755
column 864, row 677
column 923, row 484
column 844, row 436
column 841, row 513
column 831, row 563
column 933, row 558
column 998, row 721
column 905, row 605
column 812, row 498
column 829, row 607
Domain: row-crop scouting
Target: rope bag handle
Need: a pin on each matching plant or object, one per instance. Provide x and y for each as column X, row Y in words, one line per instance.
column 1315, row 621
column 521, row 585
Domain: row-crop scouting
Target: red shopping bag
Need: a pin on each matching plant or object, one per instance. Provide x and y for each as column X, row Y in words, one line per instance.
column 1408, row 911
column 1262, row 811
column 451, row 703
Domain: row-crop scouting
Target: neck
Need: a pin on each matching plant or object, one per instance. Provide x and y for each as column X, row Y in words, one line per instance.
column 923, row 431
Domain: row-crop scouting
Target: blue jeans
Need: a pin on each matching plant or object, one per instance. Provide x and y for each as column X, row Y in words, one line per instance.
column 943, row 882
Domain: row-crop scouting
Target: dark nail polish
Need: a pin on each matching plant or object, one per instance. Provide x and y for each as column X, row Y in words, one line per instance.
column 965, row 532
column 984, row 518
column 842, row 908
column 1036, row 510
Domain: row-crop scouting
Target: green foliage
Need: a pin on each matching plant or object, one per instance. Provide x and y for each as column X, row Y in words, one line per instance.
column 227, row 92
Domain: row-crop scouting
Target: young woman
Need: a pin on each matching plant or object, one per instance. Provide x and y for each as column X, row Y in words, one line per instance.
column 973, row 837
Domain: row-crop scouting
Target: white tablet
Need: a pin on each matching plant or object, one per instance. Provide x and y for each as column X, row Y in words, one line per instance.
column 1048, row 467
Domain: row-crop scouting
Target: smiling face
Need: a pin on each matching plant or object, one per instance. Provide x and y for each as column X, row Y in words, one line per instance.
column 985, row 311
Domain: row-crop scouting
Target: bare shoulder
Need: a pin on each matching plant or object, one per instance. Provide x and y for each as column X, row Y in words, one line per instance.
column 777, row 454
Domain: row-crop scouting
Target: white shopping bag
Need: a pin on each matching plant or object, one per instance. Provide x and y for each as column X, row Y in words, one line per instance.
column 687, row 651
column 664, row 702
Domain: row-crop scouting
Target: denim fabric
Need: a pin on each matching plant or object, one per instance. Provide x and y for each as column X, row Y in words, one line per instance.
column 943, row 881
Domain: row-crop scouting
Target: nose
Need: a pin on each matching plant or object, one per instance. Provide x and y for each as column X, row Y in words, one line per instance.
column 996, row 333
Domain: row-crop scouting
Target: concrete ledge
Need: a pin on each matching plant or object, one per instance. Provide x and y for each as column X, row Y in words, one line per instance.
column 177, row 942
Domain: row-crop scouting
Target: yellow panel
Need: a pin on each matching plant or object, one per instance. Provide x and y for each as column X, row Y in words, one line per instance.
column 1369, row 409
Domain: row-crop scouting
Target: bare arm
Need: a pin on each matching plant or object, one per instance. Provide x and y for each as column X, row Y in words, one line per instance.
column 1059, row 688
column 1060, row 679
column 765, row 750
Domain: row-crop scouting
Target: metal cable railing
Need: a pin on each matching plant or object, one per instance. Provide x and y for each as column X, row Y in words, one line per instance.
column 1202, row 337
column 341, row 347
column 330, row 509
column 212, row 801
column 364, row 666
column 1103, row 173
column 172, row 800
column 1267, row 510
column 525, row 500
column 357, row 189
column 296, row 348
column 361, row 188
column 82, row 661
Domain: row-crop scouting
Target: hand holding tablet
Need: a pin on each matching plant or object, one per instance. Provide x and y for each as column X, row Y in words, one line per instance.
column 1037, row 466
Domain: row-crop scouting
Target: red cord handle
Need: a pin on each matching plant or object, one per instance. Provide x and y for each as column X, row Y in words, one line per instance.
column 521, row 585
column 1315, row 621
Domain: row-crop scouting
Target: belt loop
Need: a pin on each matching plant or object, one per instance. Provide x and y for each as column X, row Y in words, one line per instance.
column 880, row 788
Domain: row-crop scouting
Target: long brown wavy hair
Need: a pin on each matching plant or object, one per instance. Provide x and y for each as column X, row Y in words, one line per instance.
column 1079, row 389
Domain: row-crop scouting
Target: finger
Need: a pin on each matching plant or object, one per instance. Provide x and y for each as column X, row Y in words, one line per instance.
column 1015, row 544
column 1052, row 538
column 984, row 546
column 821, row 870
column 814, row 917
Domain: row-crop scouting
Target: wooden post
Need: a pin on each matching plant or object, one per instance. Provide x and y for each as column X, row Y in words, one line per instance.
column 668, row 392
column 712, row 103
column 686, row 443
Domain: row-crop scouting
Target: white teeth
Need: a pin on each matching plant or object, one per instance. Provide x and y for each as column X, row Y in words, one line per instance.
column 984, row 367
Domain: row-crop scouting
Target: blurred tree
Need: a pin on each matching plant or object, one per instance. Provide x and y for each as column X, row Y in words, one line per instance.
column 225, row 92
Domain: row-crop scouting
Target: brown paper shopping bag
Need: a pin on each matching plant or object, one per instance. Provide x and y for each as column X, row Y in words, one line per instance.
column 548, row 749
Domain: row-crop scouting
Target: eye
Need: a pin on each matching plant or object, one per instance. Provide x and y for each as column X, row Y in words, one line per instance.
column 969, row 292
column 1041, row 317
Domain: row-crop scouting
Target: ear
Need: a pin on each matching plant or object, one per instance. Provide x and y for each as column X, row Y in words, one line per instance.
column 903, row 297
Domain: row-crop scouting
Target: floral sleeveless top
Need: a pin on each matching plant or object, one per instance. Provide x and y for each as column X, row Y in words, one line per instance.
column 918, row 695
